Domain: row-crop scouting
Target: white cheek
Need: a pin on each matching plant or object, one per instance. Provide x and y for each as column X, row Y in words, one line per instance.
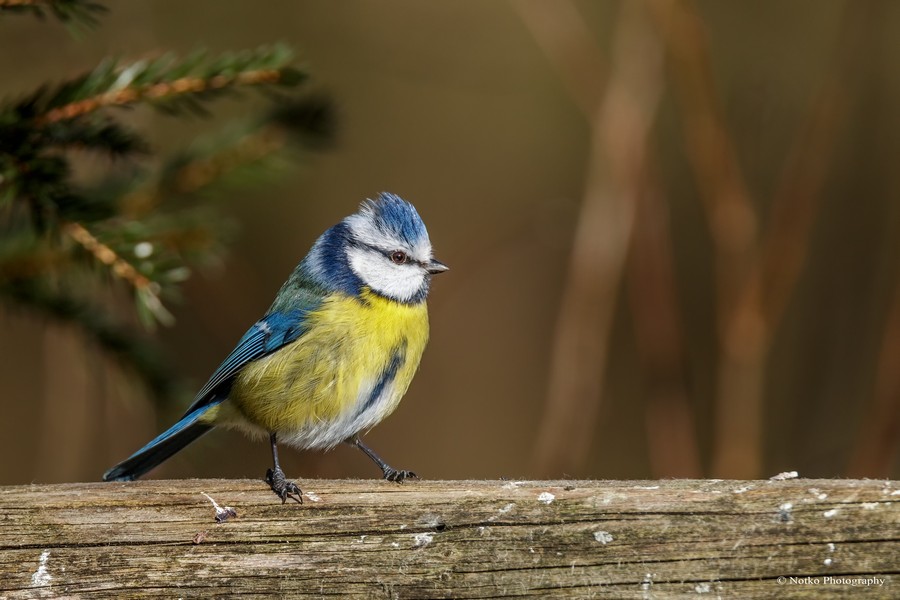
column 401, row 282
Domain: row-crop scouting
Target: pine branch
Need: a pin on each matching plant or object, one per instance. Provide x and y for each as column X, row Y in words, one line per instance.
column 31, row 129
column 40, row 184
column 142, row 225
column 147, row 291
column 310, row 121
column 244, row 154
column 166, row 83
column 80, row 12
column 24, row 256
column 94, row 132
column 133, row 230
column 191, row 172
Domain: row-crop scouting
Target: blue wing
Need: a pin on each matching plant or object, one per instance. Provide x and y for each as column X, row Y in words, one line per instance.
column 267, row 335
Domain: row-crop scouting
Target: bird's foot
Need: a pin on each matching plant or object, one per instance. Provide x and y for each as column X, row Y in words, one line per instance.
column 392, row 474
column 283, row 488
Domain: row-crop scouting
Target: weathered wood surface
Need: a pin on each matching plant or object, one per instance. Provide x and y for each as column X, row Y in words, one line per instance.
column 454, row 539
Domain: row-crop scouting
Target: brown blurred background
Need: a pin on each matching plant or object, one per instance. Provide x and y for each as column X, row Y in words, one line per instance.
column 672, row 228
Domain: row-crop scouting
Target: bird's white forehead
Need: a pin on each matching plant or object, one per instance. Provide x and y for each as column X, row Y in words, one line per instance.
column 367, row 233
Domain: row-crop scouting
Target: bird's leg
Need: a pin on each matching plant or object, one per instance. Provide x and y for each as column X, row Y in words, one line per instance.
column 275, row 478
column 390, row 473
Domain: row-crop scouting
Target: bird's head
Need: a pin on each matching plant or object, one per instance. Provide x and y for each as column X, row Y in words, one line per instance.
column 384, row 246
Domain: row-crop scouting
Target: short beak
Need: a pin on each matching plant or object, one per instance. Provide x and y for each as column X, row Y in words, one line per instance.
column 435, row 266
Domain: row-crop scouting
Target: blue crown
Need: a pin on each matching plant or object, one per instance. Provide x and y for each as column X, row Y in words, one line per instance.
column 395, row 216
column 325, row 266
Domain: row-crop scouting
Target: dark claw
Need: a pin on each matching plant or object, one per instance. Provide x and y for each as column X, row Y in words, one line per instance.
column 392, row 474
column 283, row 488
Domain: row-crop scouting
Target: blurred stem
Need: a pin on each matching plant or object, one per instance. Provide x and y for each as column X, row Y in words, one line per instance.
column 619, row 125
column 878, row 443
column 710, row 150
column 671, row 434
column 879, row 437
column 755, row 277
column 564, row 36
column 733, row 225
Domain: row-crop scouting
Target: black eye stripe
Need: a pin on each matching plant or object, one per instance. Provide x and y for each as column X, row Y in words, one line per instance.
column 386, row 253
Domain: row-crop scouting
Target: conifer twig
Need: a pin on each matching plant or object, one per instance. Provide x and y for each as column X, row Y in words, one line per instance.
column 619, row 123
column 251, row 148
column 82, row 12
column 136, row 223
column 186, row 85
column 148, row 290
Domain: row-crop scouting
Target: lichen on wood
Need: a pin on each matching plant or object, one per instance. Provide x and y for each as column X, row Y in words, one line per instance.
column 453, row 539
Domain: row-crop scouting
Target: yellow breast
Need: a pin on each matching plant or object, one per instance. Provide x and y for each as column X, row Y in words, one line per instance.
column 348, row 370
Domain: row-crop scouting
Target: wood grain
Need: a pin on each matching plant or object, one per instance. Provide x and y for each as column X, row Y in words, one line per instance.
column 453, row 539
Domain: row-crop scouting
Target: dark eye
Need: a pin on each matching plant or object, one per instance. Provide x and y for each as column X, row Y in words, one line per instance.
column 398, row 257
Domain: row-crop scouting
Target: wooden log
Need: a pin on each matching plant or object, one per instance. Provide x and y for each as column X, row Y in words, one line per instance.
column 453, row 539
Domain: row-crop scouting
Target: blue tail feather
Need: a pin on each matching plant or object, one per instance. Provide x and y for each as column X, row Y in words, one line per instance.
column 179, row 435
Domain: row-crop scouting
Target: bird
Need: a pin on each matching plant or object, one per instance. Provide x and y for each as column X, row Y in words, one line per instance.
column 332, row 356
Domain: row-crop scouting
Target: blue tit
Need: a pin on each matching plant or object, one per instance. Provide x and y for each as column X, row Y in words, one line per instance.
column 333, row 355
